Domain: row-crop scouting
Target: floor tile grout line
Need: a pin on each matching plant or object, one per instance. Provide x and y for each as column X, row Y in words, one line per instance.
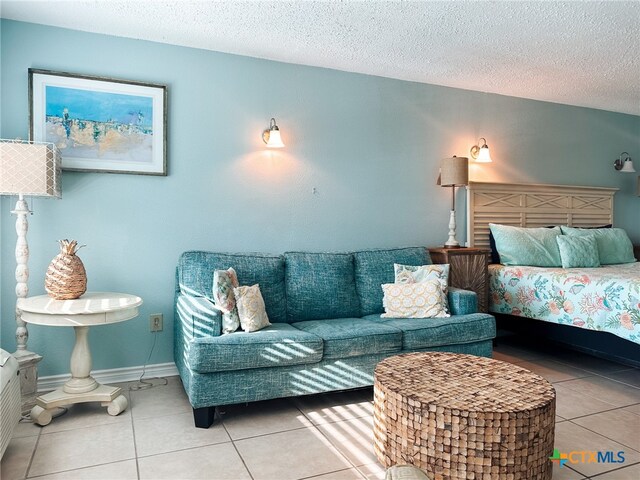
column 608, row 438
column 331, row 443
column 599, row 399
column 33, row 454
column 79, row 468
column 614, row 470
column 235, row 447
column 598, row 413
column 329, row 473
column 133, row 430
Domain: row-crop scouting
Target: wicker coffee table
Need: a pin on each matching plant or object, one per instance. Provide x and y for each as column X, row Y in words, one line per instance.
column 463, row 417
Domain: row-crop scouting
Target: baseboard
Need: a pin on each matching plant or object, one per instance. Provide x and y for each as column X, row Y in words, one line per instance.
column 113, row 375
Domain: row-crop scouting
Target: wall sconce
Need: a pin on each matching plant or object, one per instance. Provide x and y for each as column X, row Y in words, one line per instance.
column 625, row 165
column 271, row 136
column 481, row 153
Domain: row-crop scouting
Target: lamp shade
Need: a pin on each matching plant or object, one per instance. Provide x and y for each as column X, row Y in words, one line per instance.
column 454, row 171
column 29, row 168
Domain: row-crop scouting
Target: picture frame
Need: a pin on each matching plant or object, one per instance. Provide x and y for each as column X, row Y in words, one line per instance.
column 100, row 124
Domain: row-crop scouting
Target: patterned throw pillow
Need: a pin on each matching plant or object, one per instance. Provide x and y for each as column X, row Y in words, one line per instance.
column 224, row 281
column 412, row 274
column 578, row 252
column 414, row 300
column 253, row 315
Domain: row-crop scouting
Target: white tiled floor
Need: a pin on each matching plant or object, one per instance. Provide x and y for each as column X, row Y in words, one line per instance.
column 324, row 437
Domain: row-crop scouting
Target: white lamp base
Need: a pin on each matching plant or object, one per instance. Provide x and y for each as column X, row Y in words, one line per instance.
column 452, row 242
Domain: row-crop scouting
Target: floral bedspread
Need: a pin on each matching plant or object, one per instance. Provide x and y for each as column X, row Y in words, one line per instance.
column 605, row 298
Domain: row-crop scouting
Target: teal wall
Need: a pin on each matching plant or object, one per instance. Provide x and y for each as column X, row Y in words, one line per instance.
column 369, row 145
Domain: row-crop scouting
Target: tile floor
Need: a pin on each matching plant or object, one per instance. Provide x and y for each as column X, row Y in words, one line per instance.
column 319, row 437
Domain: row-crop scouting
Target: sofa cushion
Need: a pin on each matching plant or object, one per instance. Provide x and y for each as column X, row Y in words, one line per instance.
column 419, row 333
column 352, row 337
column 320, row 286
column 277, row 345
column 195, row 276
column 375, row 267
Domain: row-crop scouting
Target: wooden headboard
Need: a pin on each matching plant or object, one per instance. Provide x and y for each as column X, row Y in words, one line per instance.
column 534, row 205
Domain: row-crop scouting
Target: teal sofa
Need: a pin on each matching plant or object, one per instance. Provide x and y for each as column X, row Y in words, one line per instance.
column 326, row 332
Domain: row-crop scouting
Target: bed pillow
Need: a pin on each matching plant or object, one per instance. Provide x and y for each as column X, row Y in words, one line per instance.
column 495, row 258
column 536, row 247
column 578, row 252
column 414, row 300
column 614, row 245
column 251, row 309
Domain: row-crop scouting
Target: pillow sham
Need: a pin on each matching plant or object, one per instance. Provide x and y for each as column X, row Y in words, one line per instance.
column 535, row 247
column 495, row 257
column 578, row 252
column 224, row 281
column 251, row 310
column 414, row 300
column 614, row 245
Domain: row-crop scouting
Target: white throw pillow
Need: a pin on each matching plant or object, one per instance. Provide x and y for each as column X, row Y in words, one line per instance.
column 253, row 315
column 414, row 300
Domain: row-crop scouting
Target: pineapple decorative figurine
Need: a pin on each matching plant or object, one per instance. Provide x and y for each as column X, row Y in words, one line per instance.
column 66, row 277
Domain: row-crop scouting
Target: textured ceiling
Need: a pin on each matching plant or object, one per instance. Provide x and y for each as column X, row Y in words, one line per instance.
column 577, row 53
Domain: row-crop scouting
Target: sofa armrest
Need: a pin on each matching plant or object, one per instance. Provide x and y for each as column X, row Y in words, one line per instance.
column 462, row 302
column 197, row 317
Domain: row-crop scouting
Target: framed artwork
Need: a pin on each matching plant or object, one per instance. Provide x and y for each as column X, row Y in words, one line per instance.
column 100, row 124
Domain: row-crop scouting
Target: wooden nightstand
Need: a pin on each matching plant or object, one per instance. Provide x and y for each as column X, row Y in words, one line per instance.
column 468, row 270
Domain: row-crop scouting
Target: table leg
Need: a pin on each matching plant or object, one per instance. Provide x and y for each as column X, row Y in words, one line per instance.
column 81, row 380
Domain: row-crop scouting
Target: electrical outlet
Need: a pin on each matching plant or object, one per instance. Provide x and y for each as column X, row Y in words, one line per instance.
column 155, row 322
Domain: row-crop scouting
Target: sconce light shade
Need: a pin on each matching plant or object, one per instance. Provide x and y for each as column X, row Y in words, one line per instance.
column 271, row 136
column 480, row 153
column 624, row 164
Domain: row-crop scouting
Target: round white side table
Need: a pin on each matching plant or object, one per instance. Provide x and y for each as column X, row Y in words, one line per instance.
column 93, row 308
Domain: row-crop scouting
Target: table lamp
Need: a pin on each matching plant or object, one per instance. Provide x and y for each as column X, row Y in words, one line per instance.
column 454, row 172
column 27, row 169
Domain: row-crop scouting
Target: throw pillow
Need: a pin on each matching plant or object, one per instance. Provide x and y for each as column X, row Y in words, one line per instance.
column 422, row 273
column 224, row 281
column 578, row 252
column 253, row 315
column 411, row 274
column 536, row 247
column 414, row 300
column 614, row 245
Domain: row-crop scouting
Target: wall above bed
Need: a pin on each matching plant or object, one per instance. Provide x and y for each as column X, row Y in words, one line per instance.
column 359, row 170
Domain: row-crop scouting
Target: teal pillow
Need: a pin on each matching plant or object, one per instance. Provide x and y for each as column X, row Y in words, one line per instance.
column 536, row 247
column 578, row 252
column 614, row 245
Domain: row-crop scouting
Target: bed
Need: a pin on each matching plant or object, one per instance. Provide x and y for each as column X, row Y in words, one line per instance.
column 604, row 299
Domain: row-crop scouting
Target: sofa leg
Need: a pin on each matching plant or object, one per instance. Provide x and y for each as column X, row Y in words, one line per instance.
column 203, row 417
